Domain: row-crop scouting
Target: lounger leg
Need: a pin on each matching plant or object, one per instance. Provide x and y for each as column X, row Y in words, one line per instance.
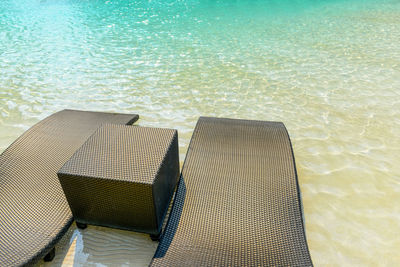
column 50, row 255
column 155, row 237
column 81, row 225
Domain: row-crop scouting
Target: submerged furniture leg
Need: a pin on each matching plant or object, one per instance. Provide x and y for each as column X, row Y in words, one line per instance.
column 50, row 256
column 81, row 225
column 155, row 237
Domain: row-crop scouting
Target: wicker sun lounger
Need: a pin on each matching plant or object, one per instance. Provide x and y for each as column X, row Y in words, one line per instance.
column 34, row 213
column 238, row 200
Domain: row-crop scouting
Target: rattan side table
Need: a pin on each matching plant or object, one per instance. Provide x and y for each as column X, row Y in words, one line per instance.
column 123, row 177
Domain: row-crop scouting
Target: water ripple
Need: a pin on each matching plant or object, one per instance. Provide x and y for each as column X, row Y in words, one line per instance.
column 329, row 69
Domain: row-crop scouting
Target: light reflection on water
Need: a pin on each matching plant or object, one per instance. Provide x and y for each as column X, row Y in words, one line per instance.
column 330, row 70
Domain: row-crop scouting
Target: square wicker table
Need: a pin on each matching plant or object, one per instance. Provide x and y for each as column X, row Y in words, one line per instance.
column 123, row 177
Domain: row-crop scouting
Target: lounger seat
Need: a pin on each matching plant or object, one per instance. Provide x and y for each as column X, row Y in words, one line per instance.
column 34, row 213
column 238, row 200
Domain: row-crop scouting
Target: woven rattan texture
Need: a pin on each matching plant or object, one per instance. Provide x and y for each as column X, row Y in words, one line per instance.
column 34, row 213
column 237, row 202
column 119, row 152
column 123, row 177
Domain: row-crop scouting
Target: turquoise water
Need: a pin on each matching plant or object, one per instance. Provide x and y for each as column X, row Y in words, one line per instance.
column 330, row 70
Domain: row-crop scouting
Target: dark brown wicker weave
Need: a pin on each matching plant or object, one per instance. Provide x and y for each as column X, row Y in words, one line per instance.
column 238, row 200
column 123, row 177
column 34, row 213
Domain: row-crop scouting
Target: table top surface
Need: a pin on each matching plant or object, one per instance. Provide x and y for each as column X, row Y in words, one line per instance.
column 120, row 152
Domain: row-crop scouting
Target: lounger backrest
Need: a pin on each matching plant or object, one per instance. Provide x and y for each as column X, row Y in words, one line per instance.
column 34, row 213
column 238, row 201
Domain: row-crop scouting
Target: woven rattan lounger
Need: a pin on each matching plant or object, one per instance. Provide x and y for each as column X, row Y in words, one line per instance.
column 34, row 213
column 238, row 200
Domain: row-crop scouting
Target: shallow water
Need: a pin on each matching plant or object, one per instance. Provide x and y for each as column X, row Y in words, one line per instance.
column 329, row 69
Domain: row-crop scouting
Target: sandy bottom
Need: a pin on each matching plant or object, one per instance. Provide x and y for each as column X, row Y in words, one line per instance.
column 101, row 246
column 328, row 69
